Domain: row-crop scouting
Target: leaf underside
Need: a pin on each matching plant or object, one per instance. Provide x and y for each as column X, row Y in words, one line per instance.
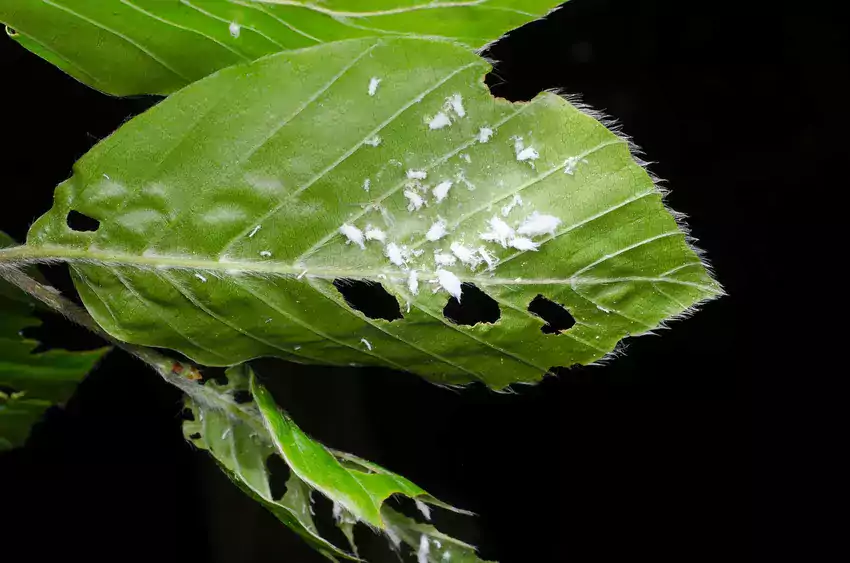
column 131, row 47
column 243, row 438
column 30, row 382
column 220, row 212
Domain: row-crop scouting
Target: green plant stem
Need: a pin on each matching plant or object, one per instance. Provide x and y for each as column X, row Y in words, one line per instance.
column 162, row 364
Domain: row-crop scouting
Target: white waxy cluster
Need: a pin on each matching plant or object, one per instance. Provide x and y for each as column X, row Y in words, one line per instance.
column 373, row 85
column 353, row 234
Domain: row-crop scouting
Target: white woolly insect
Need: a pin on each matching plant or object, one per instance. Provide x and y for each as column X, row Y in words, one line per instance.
column 571, row 164
column 447, row 555
column 523, row 243
column 373, row 85
column 424, row 548
column 265, row 254
column 416, row 174
column 465, row 254
column 393, row 252
column 235, row 29
column 441, row 190
column 337, row 512
column 442, row 259
column 298, row 347
column 413, row 283
column 437, row 231
column 439, row 121
column 200, row 277
column 353, row 234
column 254, row 231
column 455, row 104
column 488, row 257
column 374, row 140
column 366, row 343
column 466, row 158
column 449, row 282
column 416, row 201
column 367, row 183
column 423, row 508
column 524, row 153
column 484, row 134
column 373, row 233
column 499, row 232
column 506, row 210
column 537, row 224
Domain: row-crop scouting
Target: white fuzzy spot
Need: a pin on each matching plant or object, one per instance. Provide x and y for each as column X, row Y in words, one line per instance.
column 439, row 121
column 301, row 275
column 455, row 104
column 393, row 252
column 423, row 508
column 416, row 174
column 374, row 140
column 413, row 282
column 254, row 231
column 441, row 190
column 524, row 153
column 265, row 254
column 373, row 233
column 465, row 254
column 523, row 243
column 235, row 29
column 461, row 177
column 437, row 231
column 107, row 176
column 499, row 232
column 506, row 210
column 200, row 277
column 442, row 259
column 447, row 555
column 418, row 252
column 337, row 512
column 571, row 164
column 538, row 224
column 466, row 157
column 367, row 183
column 373, row 85
column 484, row 134
column 298, row 347
column 353, row 234
column 416, row 201
column 366, row 343
column 449, row 282
column 488, row 258
column 424, row 548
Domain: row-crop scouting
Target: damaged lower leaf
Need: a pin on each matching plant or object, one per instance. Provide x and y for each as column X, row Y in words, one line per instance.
column 230, row 214
column 241, row 437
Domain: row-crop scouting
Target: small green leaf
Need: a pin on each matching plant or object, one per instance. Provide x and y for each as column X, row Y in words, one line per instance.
column 241, row 437
column 31, row 383
column 232, row 212
column 430, row 545
column 242, row 450
column 130, row 47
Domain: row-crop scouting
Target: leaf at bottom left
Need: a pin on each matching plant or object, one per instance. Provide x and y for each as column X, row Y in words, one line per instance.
column 30, row 383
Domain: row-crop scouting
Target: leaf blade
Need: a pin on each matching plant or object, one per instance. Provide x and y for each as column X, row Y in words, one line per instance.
column 131, row 47
column 213, row 245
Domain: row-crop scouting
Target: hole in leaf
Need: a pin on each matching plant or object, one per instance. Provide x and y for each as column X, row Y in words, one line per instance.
column 369, row 298
column 187, row 414
column 82, row 223
column 474, row 307
column 214, row 374
column 11, row 32
column 557, row 317
column 195, row 436
column 324, row 520
column 241, row 397
column 278, row 475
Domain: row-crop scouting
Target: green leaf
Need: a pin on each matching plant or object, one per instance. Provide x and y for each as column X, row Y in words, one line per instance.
column 430, row 544
column 241, row 450
column 31, row 383
column 129, row 47
column 241, row 437
column 220, row 212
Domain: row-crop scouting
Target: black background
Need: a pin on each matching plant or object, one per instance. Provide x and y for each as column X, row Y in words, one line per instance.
column 656, row 455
